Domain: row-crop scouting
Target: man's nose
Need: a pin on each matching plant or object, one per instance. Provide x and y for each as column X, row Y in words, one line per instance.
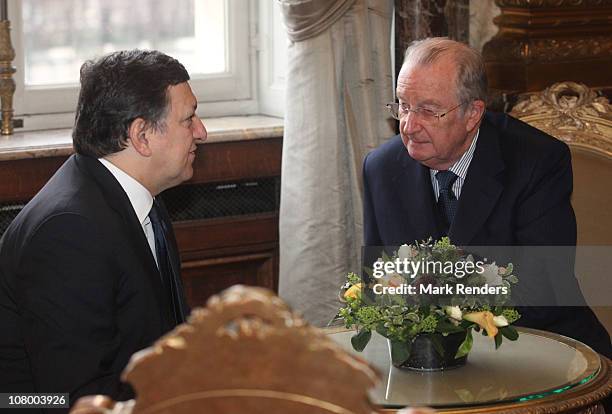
column 409, row 123
column 199, row 130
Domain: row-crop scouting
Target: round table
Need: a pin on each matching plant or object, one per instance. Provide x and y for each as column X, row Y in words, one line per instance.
column 540, row 372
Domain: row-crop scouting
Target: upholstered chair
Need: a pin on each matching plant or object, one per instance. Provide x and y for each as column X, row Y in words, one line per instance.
column 582, row 118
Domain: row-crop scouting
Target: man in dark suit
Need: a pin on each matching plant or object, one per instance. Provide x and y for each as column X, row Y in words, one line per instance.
column 483, row 179
column 89, row 270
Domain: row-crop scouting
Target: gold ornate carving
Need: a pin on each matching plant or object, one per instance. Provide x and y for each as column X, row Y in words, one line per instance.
column 7, row 84
column 246, row 352
column 562, row 49
column 100, row 404
column 552, row 3
column 549, row 39
column 594, row 409
column 548, row 50
column 571, row 112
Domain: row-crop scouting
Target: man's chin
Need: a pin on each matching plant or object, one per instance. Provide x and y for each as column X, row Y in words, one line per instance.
column 188, row 174
column 415, row 151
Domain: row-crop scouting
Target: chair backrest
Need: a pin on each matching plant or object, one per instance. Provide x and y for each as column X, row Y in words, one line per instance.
column 576, row 115
column 580, row 117
column 245, row 352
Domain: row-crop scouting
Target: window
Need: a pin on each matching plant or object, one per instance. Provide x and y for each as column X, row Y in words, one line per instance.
column 272, row 59
column 216, row 40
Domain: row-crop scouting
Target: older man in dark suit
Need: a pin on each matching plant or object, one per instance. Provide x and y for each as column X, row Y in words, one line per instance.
column 481, row 178
column 89, row 270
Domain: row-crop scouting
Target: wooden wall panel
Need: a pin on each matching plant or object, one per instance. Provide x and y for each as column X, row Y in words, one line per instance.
column 20, row 180
column 547, row 41
column 215, row 253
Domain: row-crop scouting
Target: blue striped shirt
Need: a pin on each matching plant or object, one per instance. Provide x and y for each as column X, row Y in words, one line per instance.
column 460, row 168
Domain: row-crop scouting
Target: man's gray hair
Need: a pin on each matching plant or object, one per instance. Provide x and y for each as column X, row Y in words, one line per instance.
column 471, row 80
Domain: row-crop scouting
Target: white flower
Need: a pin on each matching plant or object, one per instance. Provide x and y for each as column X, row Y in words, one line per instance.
column 500, row 321
column 404, row 252
column 491, row 275
column 454, row 312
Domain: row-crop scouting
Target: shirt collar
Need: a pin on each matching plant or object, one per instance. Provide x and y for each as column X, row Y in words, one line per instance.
column 140, row 198
column 461, row 166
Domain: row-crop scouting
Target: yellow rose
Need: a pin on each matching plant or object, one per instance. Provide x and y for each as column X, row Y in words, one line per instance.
column 353, row 292
column 484, row 320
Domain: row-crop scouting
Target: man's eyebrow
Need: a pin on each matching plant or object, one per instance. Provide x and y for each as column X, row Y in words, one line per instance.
column 431, row 102
column 192, row 112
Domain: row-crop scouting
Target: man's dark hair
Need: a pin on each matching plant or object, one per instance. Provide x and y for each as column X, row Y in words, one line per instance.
column 115, row 90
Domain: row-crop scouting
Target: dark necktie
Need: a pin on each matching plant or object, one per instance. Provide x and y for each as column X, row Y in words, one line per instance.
column 447, row 202
column 171, row 285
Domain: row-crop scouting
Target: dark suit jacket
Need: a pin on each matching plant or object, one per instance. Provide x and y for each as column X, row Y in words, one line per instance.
column 79, row 288
column 516, row 193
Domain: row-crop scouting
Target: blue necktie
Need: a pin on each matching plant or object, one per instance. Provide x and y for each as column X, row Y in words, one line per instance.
column 171, row 285
column 447, row 202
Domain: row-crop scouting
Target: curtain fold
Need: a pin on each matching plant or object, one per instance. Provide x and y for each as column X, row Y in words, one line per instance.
column 482, row 28
column 338, row 82
column 308, row 18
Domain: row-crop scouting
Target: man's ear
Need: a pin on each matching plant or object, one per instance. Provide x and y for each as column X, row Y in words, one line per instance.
column 138, row 136
column 475, row 113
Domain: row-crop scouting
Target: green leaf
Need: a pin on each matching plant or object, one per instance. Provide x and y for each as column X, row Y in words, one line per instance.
column 380, row 328
column 498, row 340
column 361, row 339
column 400, row 352
column 466, row 345
column 413, row 317
column 512, row 279
column 509, row 332
column 465, row 324
column 446, row 327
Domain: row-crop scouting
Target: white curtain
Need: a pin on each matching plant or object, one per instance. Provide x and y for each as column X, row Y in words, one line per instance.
column 339, row 79
column 482, row 28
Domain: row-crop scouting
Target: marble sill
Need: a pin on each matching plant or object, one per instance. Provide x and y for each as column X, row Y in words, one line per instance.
column 58, row 142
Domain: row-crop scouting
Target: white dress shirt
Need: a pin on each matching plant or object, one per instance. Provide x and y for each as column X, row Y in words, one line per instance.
column 459, row 168
column 140, row 198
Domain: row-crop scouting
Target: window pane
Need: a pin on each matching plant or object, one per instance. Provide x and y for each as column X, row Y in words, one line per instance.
column 59, row 35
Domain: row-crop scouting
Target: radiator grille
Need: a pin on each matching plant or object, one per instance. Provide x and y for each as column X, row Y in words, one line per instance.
column 201, row 201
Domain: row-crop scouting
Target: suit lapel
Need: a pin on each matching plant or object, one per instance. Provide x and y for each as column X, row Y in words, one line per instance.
column 119, row 201
column 481, row 189
column 418, row 200
column 175, row 261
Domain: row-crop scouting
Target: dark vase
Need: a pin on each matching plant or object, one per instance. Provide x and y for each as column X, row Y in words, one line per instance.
column 425, row 357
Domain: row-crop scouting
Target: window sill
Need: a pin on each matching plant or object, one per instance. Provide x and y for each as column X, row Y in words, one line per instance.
column 58, row 142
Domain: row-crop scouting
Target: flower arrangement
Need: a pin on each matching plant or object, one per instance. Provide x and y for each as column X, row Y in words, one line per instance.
column 439, row 291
